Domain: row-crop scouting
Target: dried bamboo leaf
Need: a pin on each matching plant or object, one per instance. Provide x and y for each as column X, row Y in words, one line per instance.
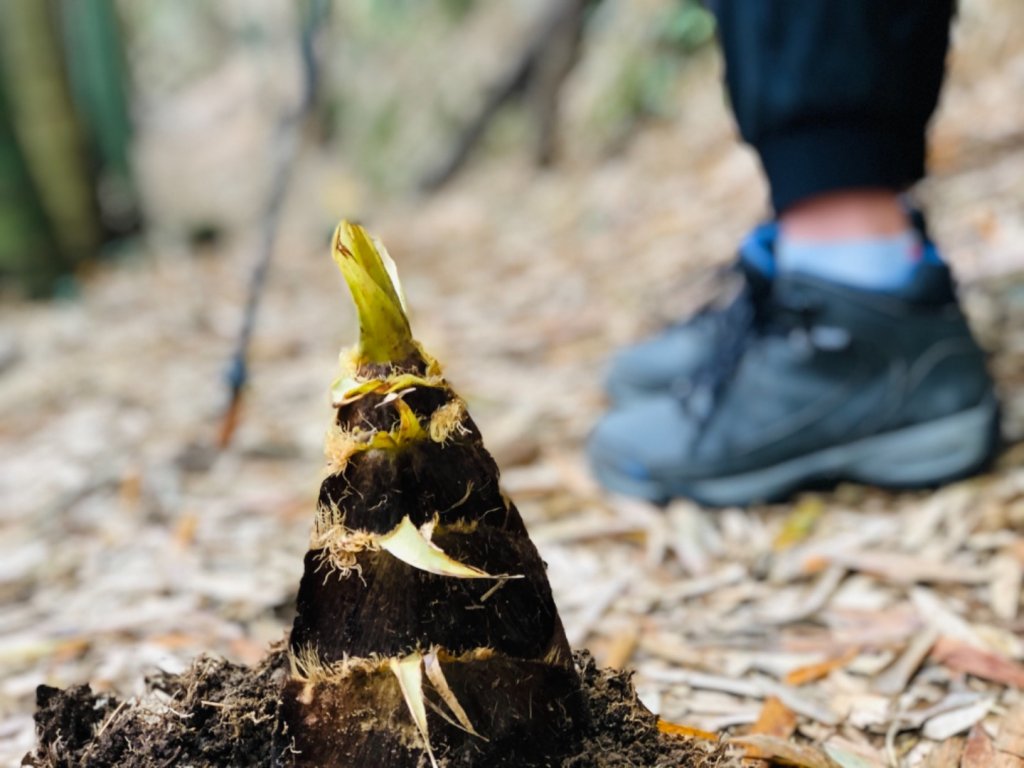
column 1004, row 641
column 962, row 657
column 799, row 523
column 599, row 602
column 686, row 589
column 670, row 647
column 813, row 672
column 913, row 719
column 775, row 719
column 979, row 751
column 774, row 663
column 797, row 561
column 809, row 603
column 1005, row 587
column 676, row 729
column 807, row 703
column 945, row 755
column 942, row 727
column 934, row 610
column 579, row 528
column 870, row 627
column 899, row 568
column 1010, row 739
column 774, row 748
column 924, row 524
column 691, row 537
column 894, row 680
column 738, row 716
column 623, row 646
column 850, row 755
column 708, row 682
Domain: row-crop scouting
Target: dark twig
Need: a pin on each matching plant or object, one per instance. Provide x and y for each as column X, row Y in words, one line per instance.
column 537, row 75
column 285, row 146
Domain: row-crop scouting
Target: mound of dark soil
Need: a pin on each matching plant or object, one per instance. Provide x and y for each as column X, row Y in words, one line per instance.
column 218, row 714
column 214, row 714
column 622, row 733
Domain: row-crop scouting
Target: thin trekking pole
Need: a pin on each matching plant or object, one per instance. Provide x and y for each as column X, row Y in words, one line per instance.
column 285, row 145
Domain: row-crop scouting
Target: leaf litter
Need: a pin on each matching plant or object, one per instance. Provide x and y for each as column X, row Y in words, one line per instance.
column 886, row 626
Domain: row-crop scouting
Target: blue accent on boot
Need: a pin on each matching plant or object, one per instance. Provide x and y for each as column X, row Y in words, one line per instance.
column 757, row 250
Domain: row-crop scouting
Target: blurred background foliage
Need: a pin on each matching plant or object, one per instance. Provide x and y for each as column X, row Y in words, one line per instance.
column 64, row 137
column 160, row 117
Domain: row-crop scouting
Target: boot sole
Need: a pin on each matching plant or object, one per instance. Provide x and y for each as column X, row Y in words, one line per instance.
column 919, row 456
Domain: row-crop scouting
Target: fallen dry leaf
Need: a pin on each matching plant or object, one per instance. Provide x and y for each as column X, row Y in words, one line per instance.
column 916, row 718
column 894, row 679
column 945, row 755
column 676, row 729
column 799, row 523
column 1005, row 586
column 810, row 704
column 947, row 724
column 1010, row 739
column 901, row 568
column 622, row 647
column 962, row 657
column 764, row 746
column 851, row 755
column 775, row 719
column 979, row 752
column 812, row 672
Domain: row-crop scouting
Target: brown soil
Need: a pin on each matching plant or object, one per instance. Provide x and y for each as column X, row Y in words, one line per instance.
column 214, row 714
column 218, row 714
column 623, row 733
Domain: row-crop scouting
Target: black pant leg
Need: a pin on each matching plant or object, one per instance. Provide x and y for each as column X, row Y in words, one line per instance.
column 834, row 94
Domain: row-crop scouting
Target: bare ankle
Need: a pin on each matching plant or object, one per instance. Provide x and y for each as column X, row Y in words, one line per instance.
column 844, row 215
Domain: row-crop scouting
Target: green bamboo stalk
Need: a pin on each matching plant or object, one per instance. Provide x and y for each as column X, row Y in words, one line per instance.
column 98, row 79
column 29, row 256
column 46, row 126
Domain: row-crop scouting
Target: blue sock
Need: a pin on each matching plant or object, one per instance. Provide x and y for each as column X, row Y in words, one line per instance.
column 758, row 248
column 883, row 264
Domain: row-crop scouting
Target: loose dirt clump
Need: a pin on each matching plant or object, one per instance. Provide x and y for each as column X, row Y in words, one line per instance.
column 214, row 714
column 622, row 733
column 222, row 715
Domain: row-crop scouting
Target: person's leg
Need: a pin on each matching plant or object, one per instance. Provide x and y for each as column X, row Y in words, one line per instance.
column 834, row 95
column 859, row 363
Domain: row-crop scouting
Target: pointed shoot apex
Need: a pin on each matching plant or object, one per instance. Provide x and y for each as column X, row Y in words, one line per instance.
column 384, row 333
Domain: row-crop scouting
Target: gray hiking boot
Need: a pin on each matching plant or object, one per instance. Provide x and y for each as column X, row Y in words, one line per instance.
column 825, row 383
column 669, row 360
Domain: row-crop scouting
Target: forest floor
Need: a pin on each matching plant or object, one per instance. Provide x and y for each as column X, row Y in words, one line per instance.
column 854, row 623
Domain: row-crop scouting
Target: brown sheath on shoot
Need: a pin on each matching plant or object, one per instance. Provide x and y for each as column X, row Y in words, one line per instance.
column 426, row 632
